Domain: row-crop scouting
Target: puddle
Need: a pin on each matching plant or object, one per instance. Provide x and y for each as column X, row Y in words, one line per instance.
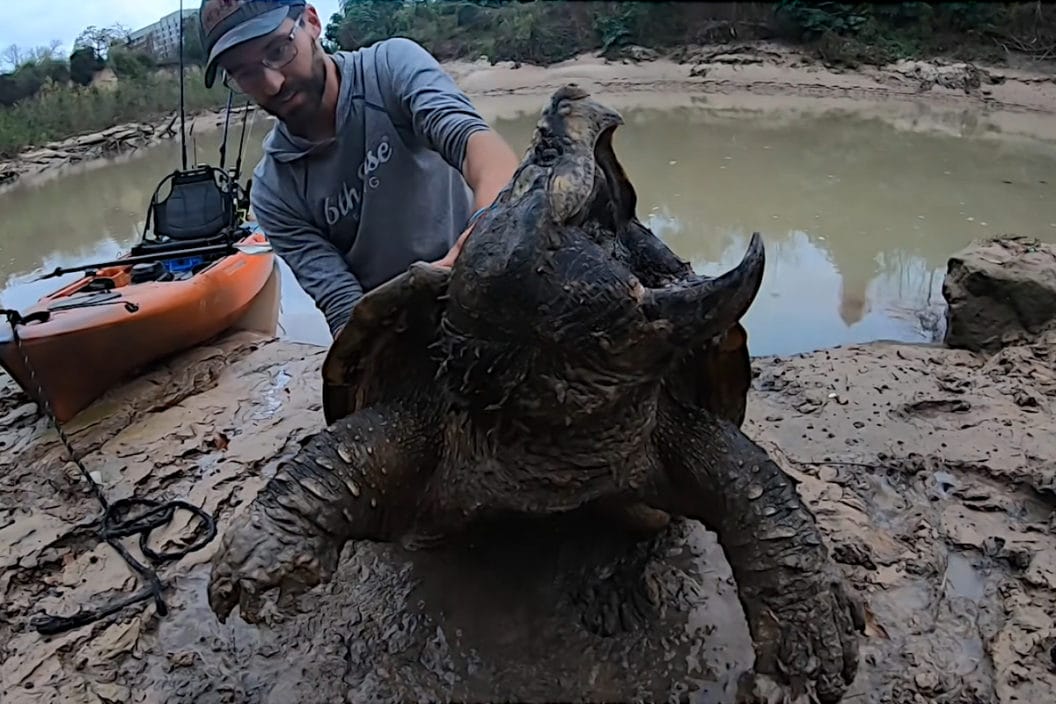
column 962, row 578
column 269, row 395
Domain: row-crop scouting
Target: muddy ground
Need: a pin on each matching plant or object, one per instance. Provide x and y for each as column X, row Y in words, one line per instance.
column 932, row 472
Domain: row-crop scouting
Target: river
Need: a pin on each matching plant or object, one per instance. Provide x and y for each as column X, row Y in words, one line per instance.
column 859, row 214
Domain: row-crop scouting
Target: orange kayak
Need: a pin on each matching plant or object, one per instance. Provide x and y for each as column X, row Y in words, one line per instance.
column 106, row 326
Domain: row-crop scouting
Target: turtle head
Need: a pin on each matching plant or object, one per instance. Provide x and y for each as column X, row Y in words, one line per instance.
column 571, row 149
column 561, row 297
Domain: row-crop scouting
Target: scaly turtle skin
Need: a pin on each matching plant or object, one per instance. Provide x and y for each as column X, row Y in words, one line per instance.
column 568, row 361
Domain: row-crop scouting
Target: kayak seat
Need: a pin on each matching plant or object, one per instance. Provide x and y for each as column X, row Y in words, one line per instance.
column 200, row 207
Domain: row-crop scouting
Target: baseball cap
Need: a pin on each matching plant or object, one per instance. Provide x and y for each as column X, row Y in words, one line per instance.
column 226, row 23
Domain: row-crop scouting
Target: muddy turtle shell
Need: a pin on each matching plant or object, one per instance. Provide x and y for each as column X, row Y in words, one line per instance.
column 383, row 352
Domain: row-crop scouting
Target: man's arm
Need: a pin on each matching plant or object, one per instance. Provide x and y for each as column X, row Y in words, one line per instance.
column 488, row 166
column 420, row 90
column 316, row 263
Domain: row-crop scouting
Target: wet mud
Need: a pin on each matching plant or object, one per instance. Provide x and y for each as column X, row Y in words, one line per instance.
column 931, row 472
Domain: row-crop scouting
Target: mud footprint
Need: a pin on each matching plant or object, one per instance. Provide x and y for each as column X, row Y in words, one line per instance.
column 932, row 407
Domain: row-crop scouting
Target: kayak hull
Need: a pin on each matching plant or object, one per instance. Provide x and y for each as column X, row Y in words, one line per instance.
column 80, row 353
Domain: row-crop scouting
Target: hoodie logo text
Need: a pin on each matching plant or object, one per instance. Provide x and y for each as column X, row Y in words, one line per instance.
column 349, row 200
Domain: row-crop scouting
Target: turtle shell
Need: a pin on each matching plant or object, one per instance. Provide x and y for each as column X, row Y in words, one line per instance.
column 383, row 352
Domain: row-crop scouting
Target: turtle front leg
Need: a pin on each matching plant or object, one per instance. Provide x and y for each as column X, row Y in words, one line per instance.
column 801, row 618
column 353, row 480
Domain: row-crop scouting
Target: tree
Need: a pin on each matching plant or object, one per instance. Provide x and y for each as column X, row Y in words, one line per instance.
column 193, row 51
column 84, row 64
column 130, row 63
column 41, row 54
column 13, row 56
column 53, row 69
column 100, row 39
column 332, row 36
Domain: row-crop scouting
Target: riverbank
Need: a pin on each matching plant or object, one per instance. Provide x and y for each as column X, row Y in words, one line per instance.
column 755, row 74
column 932, row 472
column 55, row 158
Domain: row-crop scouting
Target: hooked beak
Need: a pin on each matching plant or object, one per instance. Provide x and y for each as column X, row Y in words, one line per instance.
column 572, row 127
column 702, row 308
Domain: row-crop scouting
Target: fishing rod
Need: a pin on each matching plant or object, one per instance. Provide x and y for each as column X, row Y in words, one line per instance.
column 242, row 139
column 162, row 256
column 241, row 145
column 183, row 136
column 241, row 152
column 227, row 121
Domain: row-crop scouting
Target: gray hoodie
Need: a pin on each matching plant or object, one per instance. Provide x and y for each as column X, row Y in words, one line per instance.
column 352, row 212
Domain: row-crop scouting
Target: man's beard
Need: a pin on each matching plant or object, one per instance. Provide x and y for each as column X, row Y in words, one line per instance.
column 312, row 89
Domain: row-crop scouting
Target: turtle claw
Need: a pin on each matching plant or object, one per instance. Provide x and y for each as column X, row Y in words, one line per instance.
column 257, row 557
column 810, row 651
column 762, row 689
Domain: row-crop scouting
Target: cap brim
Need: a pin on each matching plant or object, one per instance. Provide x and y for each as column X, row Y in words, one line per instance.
column 250, row 29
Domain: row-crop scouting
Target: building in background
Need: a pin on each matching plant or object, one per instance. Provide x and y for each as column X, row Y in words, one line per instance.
column 161, row 39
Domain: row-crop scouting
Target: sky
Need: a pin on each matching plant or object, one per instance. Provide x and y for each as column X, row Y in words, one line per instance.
column 30, row 25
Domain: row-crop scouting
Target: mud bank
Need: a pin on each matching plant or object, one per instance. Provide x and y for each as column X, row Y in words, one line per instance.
column 765, row 68
column 932, row 472
column 762, row 75
column 83, row 151
column 751, row 74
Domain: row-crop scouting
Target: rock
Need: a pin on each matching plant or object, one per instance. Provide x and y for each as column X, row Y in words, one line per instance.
column 954, row 76
column 634, row 53
column 1000, row 291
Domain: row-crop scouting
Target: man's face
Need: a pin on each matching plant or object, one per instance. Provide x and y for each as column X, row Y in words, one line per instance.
column 291, row 89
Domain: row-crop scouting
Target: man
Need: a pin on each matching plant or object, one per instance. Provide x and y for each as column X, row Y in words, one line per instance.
column 377, row 160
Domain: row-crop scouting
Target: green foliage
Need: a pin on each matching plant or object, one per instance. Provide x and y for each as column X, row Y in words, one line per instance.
column 970, row 16
column 100, row 39
column 881, row 32
column 130, row 64
column 58, row 113
column 544, row 32
column 193, row 49
column 619, row 24
column 29, row 78
column 533, row 31
column 369, row 21
column 814, row 19
column 84, row 64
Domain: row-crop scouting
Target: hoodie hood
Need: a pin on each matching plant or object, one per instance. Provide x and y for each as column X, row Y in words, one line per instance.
column 285, row 147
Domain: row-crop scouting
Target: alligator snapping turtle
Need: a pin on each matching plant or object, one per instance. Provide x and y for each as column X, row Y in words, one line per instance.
column 569, row 360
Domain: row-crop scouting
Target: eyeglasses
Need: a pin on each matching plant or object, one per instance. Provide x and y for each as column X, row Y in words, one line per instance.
column 276, row 56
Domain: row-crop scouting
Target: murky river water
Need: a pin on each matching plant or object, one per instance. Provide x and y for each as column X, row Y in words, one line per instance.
column 859, row 214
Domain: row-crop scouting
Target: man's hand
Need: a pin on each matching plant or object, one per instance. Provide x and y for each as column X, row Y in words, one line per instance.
column 452, row 254
column 489, row 165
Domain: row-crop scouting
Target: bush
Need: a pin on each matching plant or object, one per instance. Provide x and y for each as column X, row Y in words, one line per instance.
column 130, row 64
column 56, row 114
column 544, row 32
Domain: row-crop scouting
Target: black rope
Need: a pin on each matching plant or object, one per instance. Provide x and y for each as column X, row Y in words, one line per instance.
column 118, row 520
column 101, row 298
